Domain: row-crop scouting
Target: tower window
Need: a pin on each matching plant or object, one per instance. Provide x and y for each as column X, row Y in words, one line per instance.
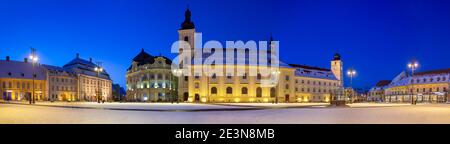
column 186, row 38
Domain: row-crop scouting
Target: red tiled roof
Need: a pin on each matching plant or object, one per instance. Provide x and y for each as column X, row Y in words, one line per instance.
column 383, row 83
column 441, row 71
column 308, row 67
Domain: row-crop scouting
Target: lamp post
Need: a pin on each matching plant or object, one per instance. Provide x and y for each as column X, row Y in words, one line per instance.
column 98, row 69
column 34, row 59
column 412, row 66
column 351, row 73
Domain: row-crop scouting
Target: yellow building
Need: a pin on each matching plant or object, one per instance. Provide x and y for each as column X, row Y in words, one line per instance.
column 428, row 86
column 243, row 80
column 16, row 80
column 62, row 84
column 92, row 85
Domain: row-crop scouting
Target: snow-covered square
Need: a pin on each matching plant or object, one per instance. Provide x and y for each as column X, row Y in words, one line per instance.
column 187, row 113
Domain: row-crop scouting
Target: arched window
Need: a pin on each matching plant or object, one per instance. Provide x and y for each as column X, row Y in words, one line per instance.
column 258, row 92
column 244, row 90
column 213, row 90
column 258, row 76
column 273, row 92
column 186, row 38
column 229, row 90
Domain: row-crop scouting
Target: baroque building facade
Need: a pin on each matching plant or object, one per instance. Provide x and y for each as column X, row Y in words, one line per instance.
column 295, row 83
column 150, row 79
column 94, row 83
column 16, row 80
column 377, row 93
column 427, row 86
column 76, row 81
column 62, row 84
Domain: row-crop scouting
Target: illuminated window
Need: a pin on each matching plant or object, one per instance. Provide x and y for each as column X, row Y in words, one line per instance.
column 244, row 90
column 196, row 85
column 229, row 90
column 258, row 92
column 213, row 90
column 273, row 92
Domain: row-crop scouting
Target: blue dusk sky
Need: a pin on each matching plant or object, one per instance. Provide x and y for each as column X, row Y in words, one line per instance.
column 375, row 37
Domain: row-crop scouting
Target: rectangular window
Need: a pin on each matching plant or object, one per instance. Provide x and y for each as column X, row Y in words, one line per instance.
column 197, row 76
column 196, row 85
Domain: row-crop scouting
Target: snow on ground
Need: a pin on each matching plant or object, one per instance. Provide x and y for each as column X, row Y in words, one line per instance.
column 272, row 105
column 14, row 113
column 115, row 105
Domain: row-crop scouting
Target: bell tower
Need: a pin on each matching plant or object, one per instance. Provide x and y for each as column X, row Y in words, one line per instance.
column 186, row 33
column 337, row 68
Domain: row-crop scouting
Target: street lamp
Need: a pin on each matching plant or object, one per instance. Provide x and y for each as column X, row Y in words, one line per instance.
column 351, row 73
column 33, row 57
column 98, row 70
column 413, row 66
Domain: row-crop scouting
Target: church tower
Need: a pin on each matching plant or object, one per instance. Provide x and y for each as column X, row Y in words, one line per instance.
column 186, row 33
column 337, row 68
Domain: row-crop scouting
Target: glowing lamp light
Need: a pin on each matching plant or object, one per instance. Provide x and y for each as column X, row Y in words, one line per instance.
column 237, row 100
column 266, row 100
column 34, row 58
column 203, row 99
column 190, row 100
column 145, row 98
column 351, row 72
column 413, row 65
column 306, row 100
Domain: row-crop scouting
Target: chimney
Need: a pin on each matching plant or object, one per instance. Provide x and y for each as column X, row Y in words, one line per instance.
column 7, row 58
column 90, row 59
column 25, row 60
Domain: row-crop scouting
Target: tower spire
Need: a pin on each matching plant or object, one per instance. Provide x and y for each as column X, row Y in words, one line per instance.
column 187, row 24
